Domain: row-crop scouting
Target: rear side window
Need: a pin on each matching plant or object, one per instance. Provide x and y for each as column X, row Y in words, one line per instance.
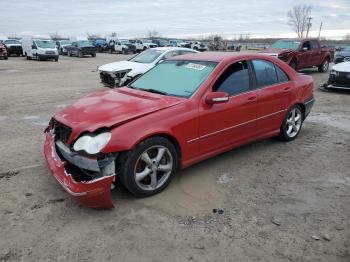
column 265, row 73
column 282, row 76
column 234, row 80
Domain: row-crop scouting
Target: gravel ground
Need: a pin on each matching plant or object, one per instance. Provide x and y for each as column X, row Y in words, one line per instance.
column 267, row 201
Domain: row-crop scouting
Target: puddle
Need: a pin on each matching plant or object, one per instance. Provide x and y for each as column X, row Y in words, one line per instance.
column 30, row 117
column 61, row 106
column 37, row 120
column 194, row 190
column 334, row 120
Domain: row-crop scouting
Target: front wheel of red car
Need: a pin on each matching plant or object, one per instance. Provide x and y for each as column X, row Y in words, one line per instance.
column 292, row 124
column 149, row 168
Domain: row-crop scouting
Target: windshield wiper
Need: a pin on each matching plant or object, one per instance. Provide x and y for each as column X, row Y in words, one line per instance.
column 154, row 91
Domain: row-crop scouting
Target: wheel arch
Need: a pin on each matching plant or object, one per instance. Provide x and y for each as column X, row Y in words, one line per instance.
column 169, row 137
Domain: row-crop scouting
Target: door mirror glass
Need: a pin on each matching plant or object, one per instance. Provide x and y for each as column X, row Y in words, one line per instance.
column 217, row 98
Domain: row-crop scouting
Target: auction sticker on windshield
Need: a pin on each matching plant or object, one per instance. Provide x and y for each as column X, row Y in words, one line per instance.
column 195, row 66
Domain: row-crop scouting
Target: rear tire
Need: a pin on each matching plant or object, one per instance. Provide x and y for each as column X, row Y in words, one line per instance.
column 292, row 124
column 149, row 168
column 80, row 54
column 93, row 55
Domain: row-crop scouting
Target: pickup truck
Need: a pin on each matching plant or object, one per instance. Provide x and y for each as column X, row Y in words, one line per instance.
column 302, row 53
column 81, row 48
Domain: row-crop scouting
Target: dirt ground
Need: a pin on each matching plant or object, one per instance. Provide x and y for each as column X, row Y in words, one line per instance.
column 275, row 201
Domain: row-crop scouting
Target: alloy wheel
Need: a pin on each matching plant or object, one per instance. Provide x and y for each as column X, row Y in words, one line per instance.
column 294, row 122
column 153, row 168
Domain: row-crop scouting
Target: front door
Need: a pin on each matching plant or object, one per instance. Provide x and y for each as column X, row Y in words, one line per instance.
column 226, row 124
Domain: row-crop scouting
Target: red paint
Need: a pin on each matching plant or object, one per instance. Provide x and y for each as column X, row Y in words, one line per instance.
column 201, row 129
column 302, row 58
column 3, row 51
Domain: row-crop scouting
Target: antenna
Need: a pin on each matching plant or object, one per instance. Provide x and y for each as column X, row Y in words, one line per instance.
column 319, row 33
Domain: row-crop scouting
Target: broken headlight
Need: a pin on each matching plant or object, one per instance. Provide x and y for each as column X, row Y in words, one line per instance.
column 92, row 144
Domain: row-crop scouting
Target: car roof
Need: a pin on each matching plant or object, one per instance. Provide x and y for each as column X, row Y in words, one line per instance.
column 219, row 56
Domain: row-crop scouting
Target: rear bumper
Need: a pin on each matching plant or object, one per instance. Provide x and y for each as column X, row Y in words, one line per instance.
column 308, row 104
column 95, row 193
column 335, row 86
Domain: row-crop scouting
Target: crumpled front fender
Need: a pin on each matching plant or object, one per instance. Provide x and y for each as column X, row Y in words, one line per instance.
column 95, row 194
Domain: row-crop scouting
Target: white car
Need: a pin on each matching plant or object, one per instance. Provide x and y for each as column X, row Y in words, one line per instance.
column 339, row 77
column 198, row 46
column 123, row 72
column 143, row 44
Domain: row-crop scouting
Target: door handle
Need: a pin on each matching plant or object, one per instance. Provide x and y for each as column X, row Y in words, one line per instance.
column 287, row 89
column 252, row 99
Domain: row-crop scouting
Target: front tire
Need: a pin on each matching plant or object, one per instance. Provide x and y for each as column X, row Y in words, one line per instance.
column 292, row 124
column 324, row 66
column 149, row 168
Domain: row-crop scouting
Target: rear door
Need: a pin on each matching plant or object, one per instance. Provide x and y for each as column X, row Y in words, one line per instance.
column 225, row 124
column 274, row 95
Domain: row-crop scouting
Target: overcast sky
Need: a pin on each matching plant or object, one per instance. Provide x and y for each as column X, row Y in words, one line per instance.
column 173, row 18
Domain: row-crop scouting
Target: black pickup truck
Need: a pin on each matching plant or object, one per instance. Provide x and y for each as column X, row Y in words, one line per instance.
column 81, row 48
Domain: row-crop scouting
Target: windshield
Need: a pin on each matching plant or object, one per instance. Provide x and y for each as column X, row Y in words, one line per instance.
column 147, row 41
column 345, row 48
column 45, row 43
column 124, row 42
column 175, row 77
column 84, row 43
column 147, row 56
column 11, row 41
column 64, row 42
column 283, row 44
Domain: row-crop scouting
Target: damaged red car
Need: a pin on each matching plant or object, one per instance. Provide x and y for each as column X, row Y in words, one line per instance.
column 184, row 110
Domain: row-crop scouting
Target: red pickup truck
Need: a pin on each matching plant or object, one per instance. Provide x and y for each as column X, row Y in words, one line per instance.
column 302, row 53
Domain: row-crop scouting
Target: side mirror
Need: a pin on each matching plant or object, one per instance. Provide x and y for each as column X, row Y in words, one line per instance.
column 217, row 98
column 34, row 47
column 305, row 49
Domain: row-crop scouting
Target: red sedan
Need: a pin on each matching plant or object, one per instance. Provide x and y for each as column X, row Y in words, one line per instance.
column 184, row 110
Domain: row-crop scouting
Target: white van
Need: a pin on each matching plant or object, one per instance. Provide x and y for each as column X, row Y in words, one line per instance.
column 39, row 48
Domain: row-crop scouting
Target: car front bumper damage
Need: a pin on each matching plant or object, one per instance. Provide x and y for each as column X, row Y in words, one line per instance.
column 95, row 192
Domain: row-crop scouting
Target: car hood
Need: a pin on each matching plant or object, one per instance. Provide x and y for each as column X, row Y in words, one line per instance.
column 275, row 51
column 112, row 108
column 10, row 45
column 125, row 65
column 343, row 53
column 342, row 67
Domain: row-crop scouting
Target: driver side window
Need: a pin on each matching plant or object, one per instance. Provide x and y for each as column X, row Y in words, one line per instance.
column 234, row 80
column 307, row 45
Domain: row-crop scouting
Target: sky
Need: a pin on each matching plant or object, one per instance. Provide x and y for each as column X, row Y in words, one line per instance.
column 171, row 18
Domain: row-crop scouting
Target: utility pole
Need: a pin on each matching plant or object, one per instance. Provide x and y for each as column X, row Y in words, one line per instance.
column 319, row 33
column 308, row 26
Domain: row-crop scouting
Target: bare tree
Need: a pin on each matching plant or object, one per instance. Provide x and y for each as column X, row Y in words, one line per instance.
column 114, row 34
column 152, row 34
column 347, row 37
column 55, row 36
column 92, row 36
column 299, row 19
